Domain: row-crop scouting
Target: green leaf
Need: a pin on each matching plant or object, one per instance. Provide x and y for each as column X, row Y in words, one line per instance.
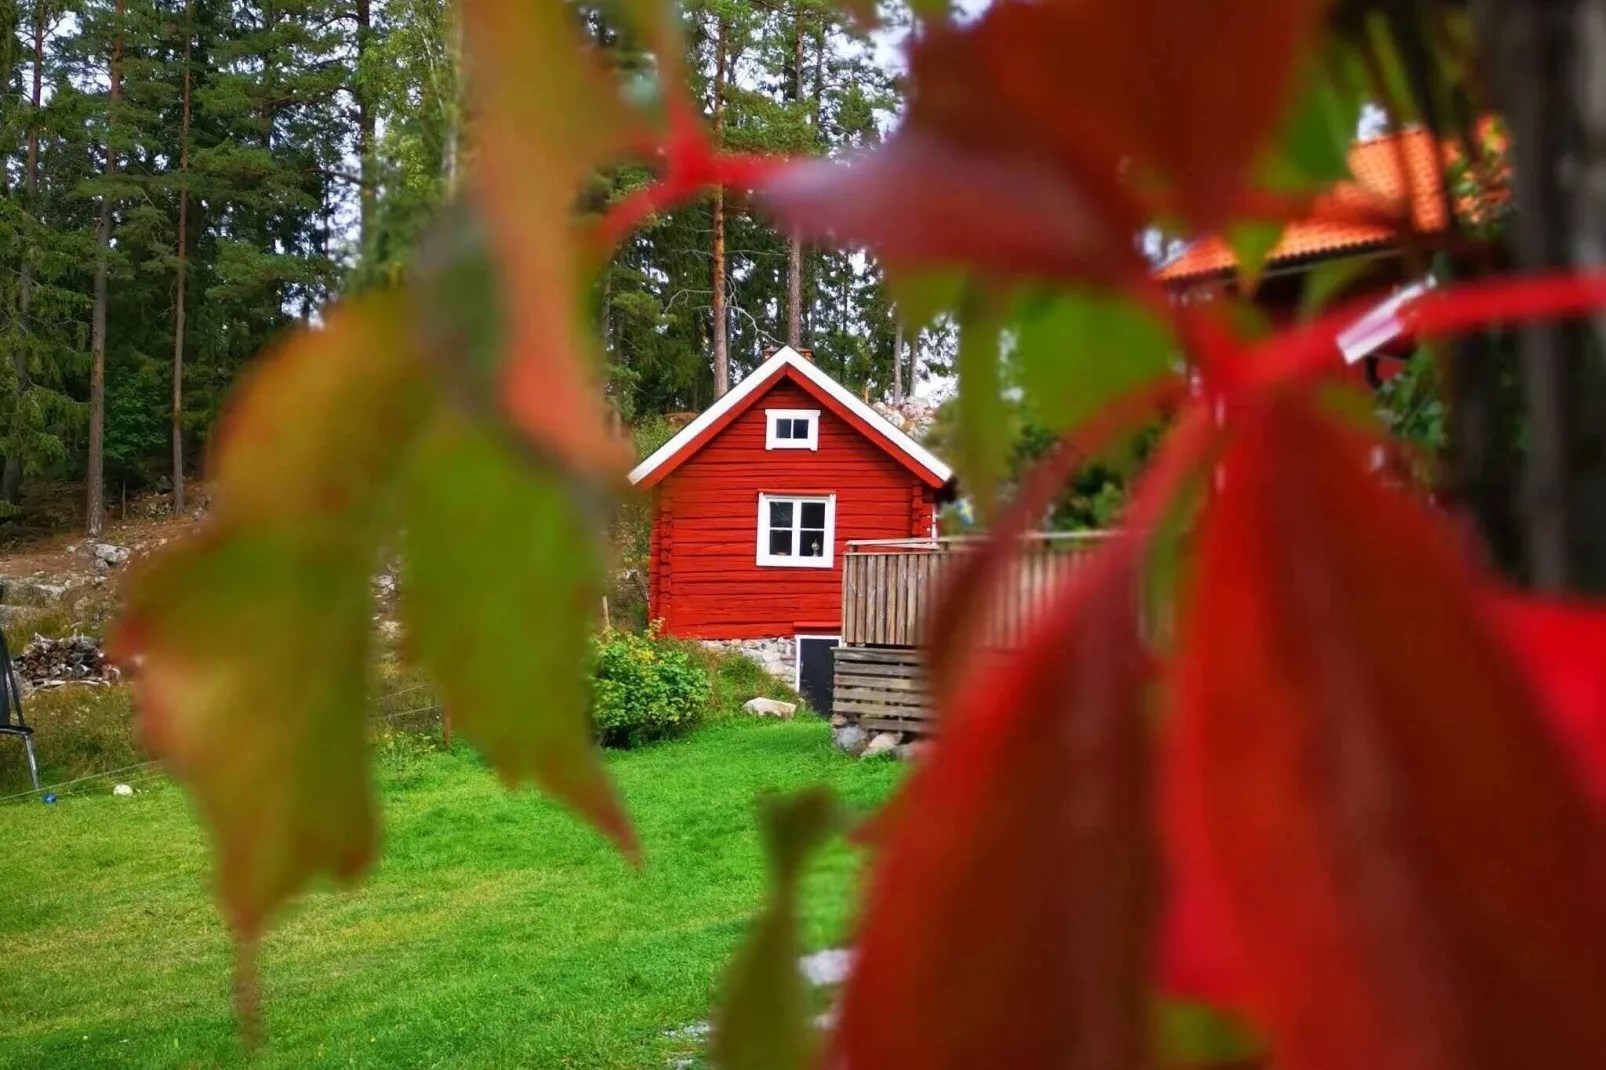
column 1193, row 1034
column 1324, row 281
column 1401, row 102
column 1311, row 150
column 763, row 1022
column 984, row 436
column 1252, row 241
column 1077, row 351
column 253, row 639
column 503, row 582
column 921, row 295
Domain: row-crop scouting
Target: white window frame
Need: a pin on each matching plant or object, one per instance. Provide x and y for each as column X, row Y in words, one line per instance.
column 768, row 560
column 771, row 442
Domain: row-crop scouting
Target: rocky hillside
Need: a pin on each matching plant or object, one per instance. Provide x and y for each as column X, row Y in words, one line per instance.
column 58, row 592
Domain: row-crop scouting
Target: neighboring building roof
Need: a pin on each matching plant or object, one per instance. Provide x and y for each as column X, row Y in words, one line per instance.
column 1396, row 176
column 788, row 363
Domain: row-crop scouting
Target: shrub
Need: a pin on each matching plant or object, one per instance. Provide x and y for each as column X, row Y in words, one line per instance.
column 644, row 688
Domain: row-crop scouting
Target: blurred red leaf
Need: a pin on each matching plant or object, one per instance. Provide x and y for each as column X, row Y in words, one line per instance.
column 1008, row 920
column 1412, row 876
column 1562, row 647
column 546, row 116
column 962, row 605
column 1035, row 133
column 920, row 200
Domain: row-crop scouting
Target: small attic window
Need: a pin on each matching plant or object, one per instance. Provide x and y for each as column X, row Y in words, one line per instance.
column 792, row 429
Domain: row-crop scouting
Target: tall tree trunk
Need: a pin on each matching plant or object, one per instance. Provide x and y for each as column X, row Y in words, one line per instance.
column 897, row 365
column 914, row 364
column 366, row 127
column 722, row 373
column 454, row 114
column 95, row 505
column 794, row 243
column 1547, row 59
column 11, row 478
column 183, row 267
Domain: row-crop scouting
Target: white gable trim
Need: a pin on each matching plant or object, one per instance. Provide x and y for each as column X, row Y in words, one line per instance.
column 788, row 357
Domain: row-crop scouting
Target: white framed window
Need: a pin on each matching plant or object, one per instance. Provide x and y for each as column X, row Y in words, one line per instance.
column 796, row 531
column 791, row 429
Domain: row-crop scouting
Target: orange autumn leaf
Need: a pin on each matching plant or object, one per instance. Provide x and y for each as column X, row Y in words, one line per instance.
column 546, row 116
column 252, row 641
column 1412, row 877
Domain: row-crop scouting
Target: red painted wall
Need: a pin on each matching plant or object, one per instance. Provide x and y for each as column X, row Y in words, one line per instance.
column 704, row 581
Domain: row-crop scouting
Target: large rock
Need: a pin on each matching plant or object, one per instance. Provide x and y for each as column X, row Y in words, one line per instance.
column 851, row 738
column 769, row 707
column 914, row 750
column 829, row 967
column 40, row 592
column 883, row 743
column 108, row 555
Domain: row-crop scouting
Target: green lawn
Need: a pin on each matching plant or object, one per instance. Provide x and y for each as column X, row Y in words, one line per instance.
column 495, row 932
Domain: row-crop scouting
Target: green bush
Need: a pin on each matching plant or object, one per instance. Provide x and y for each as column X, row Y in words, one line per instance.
column 644, row 688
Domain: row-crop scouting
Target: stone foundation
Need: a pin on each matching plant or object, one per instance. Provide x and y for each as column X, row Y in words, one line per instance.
column 778, row 657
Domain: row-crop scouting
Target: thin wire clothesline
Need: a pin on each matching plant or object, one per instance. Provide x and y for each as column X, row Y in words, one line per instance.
column 157, row 772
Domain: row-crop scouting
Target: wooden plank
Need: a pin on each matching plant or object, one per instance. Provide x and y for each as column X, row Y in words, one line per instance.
column 887, row 724
column 885, row 654
column 889, row 594
column 875, row 709
column 871, row 668
column 907, row 685
column 889, row 570
column 849, row 571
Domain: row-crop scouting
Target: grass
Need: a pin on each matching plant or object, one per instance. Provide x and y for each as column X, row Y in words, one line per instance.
column 496, row 930
column 77, row 731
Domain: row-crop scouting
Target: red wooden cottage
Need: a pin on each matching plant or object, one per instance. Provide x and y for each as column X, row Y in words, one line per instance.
column 755, row 499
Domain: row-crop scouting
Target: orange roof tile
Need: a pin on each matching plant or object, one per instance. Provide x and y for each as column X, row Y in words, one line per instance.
column 1390, row 175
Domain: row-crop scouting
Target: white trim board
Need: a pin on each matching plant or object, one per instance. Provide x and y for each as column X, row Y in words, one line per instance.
column 787, row 357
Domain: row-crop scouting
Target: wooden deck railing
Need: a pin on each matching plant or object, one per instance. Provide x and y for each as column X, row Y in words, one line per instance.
column 890, row 586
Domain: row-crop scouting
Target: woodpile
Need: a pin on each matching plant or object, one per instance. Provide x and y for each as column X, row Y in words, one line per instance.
column 54, row 662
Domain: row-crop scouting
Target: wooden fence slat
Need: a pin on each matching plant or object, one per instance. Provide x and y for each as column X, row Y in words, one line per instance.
column 889, row 595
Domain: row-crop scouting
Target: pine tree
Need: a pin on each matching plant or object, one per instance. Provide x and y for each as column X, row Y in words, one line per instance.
column 722, row 67
column 181, row 272
column 94, row 509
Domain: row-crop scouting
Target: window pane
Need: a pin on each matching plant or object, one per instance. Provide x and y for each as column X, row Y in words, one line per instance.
column 783, row 428
column 813, row 544
column 781, row 543
column 780, row 514
column 800, row 429
column 813, row 515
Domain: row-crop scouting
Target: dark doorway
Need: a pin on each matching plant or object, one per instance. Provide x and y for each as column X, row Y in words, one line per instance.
column 814, row 669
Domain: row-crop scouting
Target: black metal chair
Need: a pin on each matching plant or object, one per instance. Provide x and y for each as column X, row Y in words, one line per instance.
column 11, row 722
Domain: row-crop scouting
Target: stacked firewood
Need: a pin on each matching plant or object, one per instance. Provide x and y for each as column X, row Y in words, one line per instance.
column 73, row 659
